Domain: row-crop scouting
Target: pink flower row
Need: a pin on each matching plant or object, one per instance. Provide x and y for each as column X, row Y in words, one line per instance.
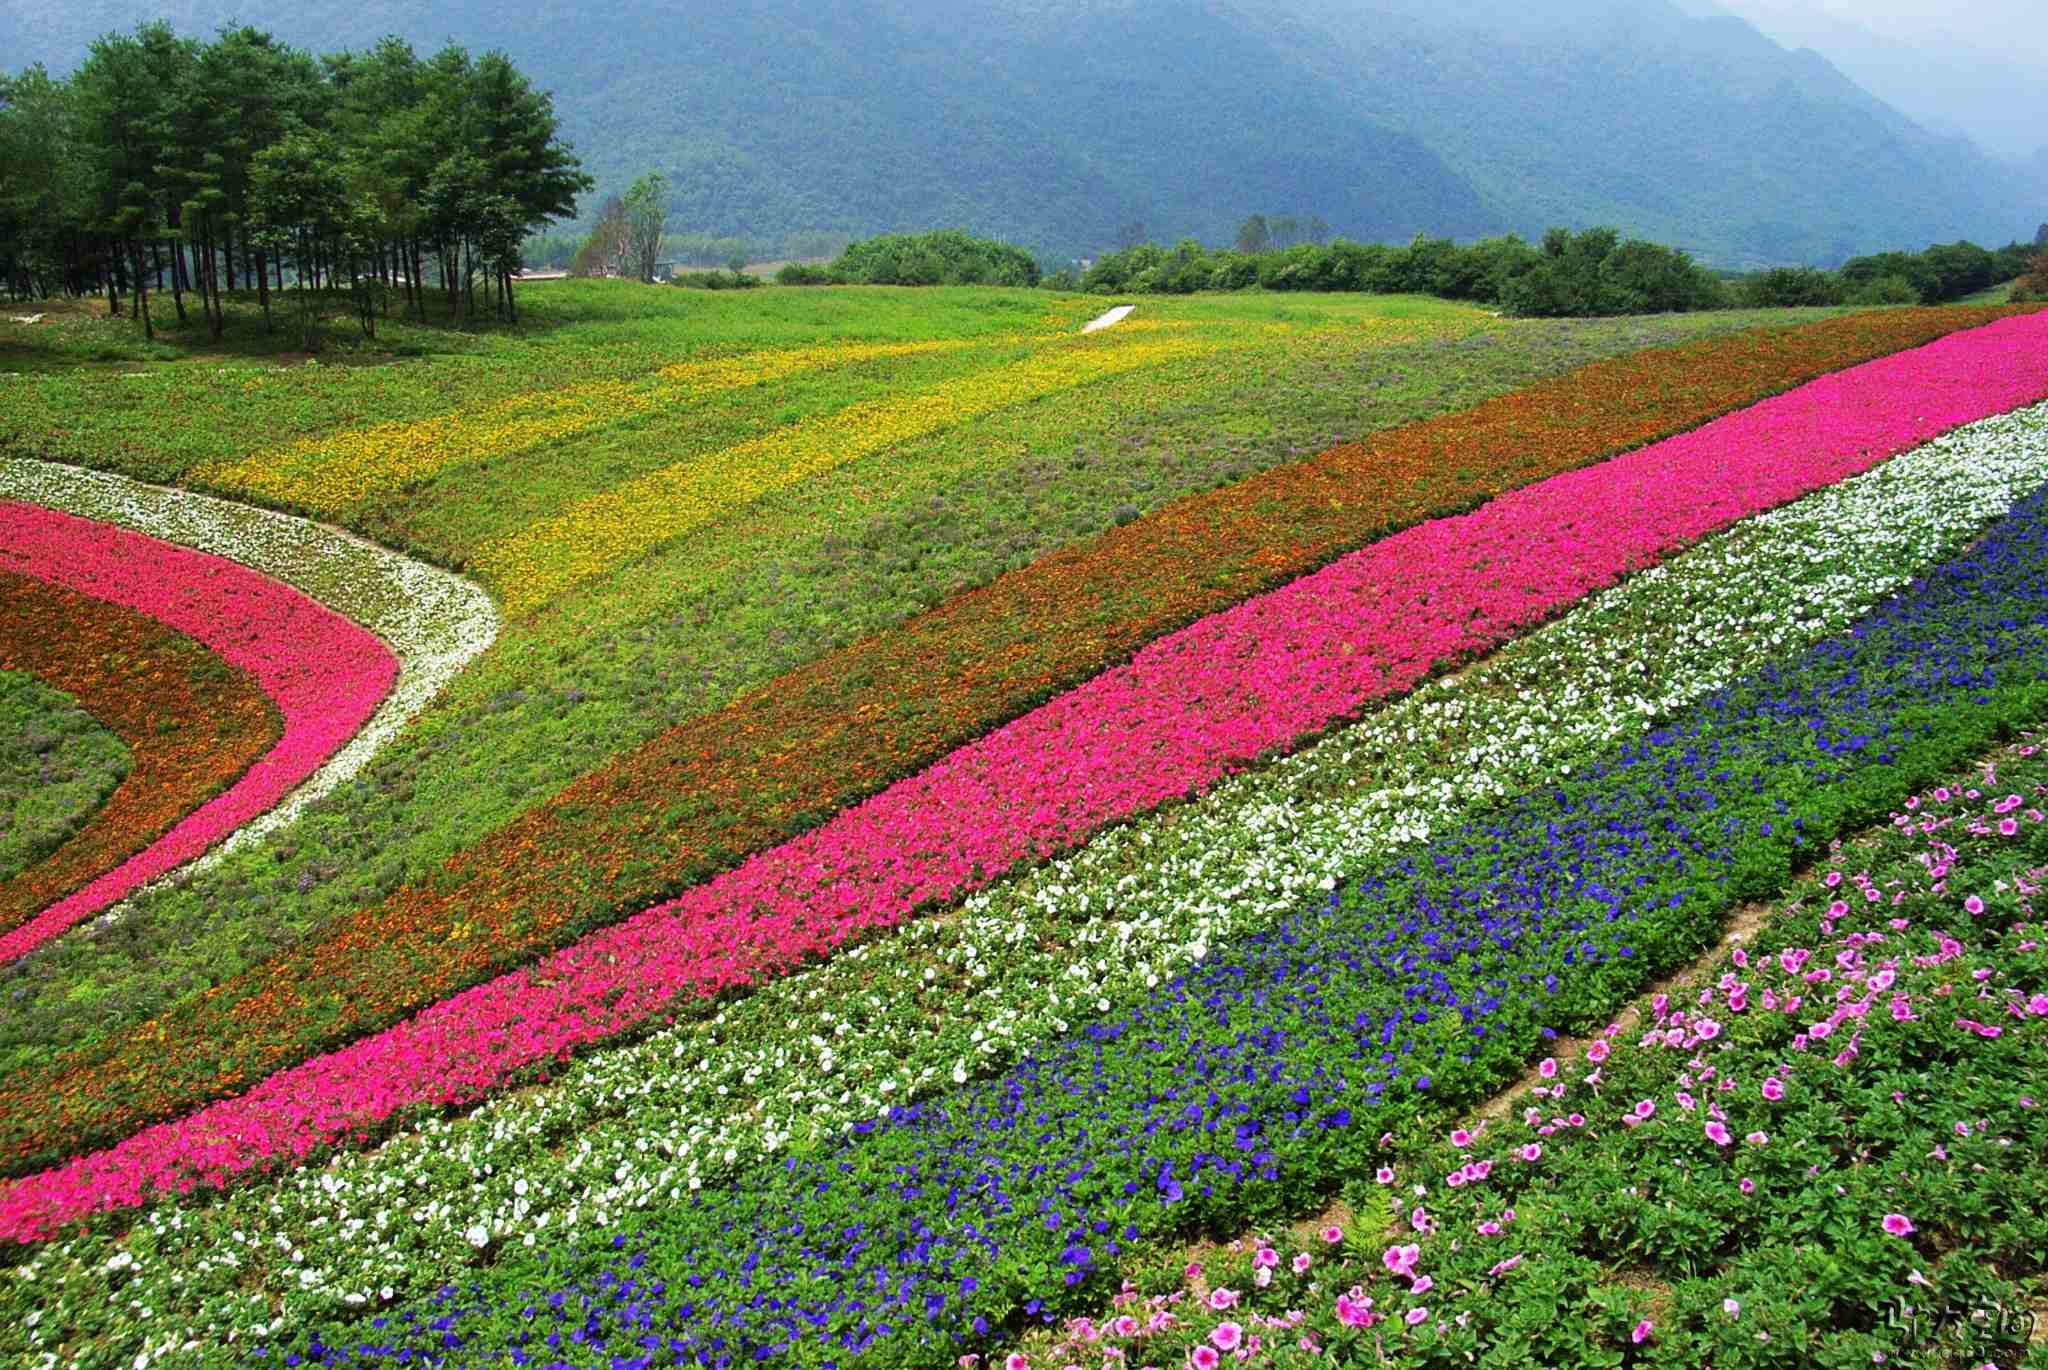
column 1187, row 710
column 325, row 674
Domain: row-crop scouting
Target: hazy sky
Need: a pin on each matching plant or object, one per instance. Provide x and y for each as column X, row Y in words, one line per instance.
column 1968, row 65
column 2003, row 25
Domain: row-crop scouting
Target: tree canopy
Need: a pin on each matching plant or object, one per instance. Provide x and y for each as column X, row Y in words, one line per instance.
column 206, row 166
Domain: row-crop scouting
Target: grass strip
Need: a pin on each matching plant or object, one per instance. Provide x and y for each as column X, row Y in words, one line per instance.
column 57, row 766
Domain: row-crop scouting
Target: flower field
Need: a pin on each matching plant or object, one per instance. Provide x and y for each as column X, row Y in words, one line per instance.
column 190, row 723
column 827, row 923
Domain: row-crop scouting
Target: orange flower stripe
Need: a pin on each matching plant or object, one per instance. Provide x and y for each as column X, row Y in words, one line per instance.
column 192, row 722
column 705, row 794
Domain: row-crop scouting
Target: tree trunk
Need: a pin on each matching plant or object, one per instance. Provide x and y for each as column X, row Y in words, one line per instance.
column 178, row 278
column 142, row 294
column 262, row 274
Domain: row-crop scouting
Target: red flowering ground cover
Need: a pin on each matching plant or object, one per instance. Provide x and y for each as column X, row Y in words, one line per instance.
column 784, row 757
column 192, row 722
column 324, row 674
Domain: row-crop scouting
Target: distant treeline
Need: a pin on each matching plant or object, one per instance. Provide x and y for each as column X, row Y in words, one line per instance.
column 1936, row 276
column 1596, row 272
column 947, row 257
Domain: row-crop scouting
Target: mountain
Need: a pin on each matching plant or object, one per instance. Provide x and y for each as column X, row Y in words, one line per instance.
column 1944, row 80
column 1054, row 122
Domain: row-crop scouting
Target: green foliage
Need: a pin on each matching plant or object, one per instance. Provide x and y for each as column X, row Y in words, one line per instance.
column 714, row 280
column 1062, row 123
column 1583, row 275
column 947, row 257
column 1790, row 287
column 206, row 164
column 57, row 766
column 1596, row 273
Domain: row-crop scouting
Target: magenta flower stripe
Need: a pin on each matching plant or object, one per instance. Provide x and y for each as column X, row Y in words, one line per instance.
column 324, row 674
column 1250, row 681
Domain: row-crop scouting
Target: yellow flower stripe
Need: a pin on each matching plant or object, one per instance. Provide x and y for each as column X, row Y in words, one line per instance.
column 327, row 474
column 606, row 530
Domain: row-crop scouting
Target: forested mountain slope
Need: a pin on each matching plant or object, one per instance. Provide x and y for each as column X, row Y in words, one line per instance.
column 1056, row 122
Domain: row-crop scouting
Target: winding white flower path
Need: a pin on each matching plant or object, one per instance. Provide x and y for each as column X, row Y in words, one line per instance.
column 434, row 621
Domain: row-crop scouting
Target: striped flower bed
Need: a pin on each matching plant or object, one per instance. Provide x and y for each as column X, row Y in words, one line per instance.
column 322, row 673
column 718, row 786
column 192, row 723
column 1225, row 1095
column 906, row 1017
column 433, row 621
column 1832, row 1117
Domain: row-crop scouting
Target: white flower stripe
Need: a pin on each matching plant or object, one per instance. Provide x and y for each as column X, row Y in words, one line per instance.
column 951, row 996
column 434, row 621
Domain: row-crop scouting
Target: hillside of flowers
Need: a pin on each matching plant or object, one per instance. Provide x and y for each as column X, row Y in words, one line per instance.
column 807, row 833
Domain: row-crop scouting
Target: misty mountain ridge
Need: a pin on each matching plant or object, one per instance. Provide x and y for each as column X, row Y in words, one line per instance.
column 1056, row 123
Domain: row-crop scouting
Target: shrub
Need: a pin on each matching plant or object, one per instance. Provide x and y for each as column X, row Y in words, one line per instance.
column 1793, row 287
column 947, row 257
column 714, row 280
column 800, row 273
column 1884, row 290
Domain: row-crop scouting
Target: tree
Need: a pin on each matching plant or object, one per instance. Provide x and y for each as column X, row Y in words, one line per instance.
column 609, row 247
column 646, row 219
column 298, row 205
column 1253, row 235
column 1133, row 233
column 146, row 162
column 2041, row 237
column 1286, row 230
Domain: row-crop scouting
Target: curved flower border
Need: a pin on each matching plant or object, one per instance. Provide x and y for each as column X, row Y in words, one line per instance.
column 324, row 674
column 191, row 723
column 434, row 621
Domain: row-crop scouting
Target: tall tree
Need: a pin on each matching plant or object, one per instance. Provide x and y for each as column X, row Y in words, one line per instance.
column 647, row 218
column 1253, row 235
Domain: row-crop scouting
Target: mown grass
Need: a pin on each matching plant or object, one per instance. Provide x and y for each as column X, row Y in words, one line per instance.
column 738, row 601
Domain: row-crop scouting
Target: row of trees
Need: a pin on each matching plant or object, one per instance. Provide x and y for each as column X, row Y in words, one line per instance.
column 1945, row 272
column 947, row 257
column 1595, row 272
column 166, row 163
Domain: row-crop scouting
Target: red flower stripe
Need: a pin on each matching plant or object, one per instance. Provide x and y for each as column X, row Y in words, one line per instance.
column 1186, row 710
column 324, row 674
column 191, row 722
column 718, row 787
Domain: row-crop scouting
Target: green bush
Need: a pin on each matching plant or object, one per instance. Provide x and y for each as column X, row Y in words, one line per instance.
column 947, row 257
column 1883, row 290
column 799, row 273
column 1795, row 287
column 714, row 280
